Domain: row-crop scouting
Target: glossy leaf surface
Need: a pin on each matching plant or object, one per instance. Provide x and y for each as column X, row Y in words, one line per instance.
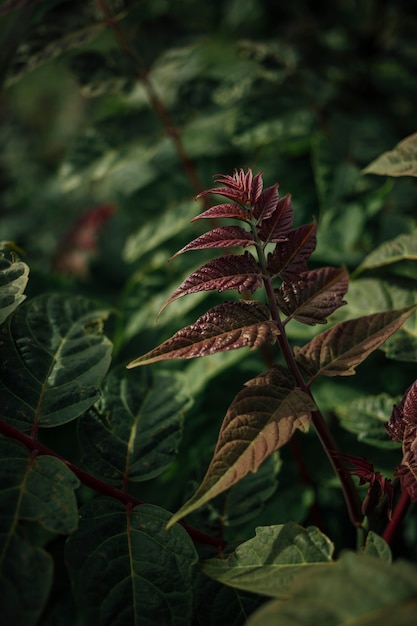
column 134, row 430
column 227, row 326
column 127, row 569
column 269, row 562
column 262, row 418
column 221, row 237
column 290, row 257
column 339, row 350
column 57, row 356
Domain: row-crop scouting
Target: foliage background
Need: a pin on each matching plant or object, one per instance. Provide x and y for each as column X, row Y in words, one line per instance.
column 139, row 114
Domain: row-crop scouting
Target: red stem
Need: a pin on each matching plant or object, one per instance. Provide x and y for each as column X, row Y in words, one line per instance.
column 98, row 485
column 397, row 517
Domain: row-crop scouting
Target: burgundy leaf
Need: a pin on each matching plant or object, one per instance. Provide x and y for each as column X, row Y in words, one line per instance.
column 277, row 227
column 228, row 326
column 261, row 419
column 266, row 203
column 222, row 237
column 233, row 211
column 315, row 296
column 379, row 486
column 290, row 257
column 337, row 351
column 402, row 427
column 239, row 272
column 244, row 188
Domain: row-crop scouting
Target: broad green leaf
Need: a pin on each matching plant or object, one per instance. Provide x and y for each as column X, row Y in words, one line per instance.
column 13, row 281
column 401, row 161
column 134, row 430
column 26, row 576
column 337, row 351
column 398, row 249
column 367, row 417
column 56, row 357
column 35, row 488
column 269, row 562
column 228, row 326
column 127, row 569
column 155, row 231
column 376, row 546
column 314, row 296
column 358, row 590
column 262, row 418
column 215, row 603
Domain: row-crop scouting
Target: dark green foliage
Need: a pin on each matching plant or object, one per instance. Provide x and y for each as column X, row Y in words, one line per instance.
column 114, row 115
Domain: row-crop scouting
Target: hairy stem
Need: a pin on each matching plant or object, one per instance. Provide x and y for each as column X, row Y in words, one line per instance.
column 326, row 438
column 96, row 484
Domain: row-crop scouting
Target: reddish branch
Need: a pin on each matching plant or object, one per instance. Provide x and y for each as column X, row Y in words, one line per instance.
column 156, row 103
column 96, row 484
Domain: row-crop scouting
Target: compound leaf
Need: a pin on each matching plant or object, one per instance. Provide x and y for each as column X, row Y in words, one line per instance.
column 126, row 566
column 262, row 418
column 315, row 296
column 268, row 562
column 231, row 271
column 337, row 351
column 134, row 430
column 228, row 326
column 57, row 357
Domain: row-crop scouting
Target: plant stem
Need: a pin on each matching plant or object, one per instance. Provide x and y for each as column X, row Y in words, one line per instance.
column 98, row 485
column 325, row 437
column 397, row 517
column 155, row 101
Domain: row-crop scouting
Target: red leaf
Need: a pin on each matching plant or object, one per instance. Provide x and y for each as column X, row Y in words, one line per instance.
column 315, row 296
column 402, row 427
column 266, row 204
column 228, row 326
column 244, row 188
column 277, row 227
column 233, row 211
column 337, row 351
column 290, row 257
column 222, row 237
column 239, row 272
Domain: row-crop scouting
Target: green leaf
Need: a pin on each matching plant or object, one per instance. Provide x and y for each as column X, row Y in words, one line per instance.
column 358, row 590
column 13, row 281
column 338, row 350
column 401, row 161
column 227, row 326
column 25, row 581
column 262, row 418
column 134, row 430
column 366, row 417
column 377, row 547
column 35, row 488
column 127, row 569
column 269, row 562
column 56, row 357
column 403, row 247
